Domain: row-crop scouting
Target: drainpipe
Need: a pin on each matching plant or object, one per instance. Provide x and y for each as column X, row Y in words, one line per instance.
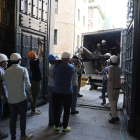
column 74, row 27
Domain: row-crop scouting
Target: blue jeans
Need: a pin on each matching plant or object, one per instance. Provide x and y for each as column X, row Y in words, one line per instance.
column 1, row 109
column 104, row 89
column 51, row 112
column 20, row 108
column 74, row 98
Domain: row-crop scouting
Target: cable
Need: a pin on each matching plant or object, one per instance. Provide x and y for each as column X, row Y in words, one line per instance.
column 93, row 107
column 120, row 121
column 121, row 126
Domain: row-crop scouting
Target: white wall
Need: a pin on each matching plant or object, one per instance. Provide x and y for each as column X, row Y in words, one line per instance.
column 79, row 27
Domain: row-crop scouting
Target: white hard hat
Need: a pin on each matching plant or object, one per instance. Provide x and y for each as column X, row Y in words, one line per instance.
column 98, row 44
column 103, row 41
column 3, row 57
column 66, row 54
column 114, row 59
column 15, row 57
column 108, row 54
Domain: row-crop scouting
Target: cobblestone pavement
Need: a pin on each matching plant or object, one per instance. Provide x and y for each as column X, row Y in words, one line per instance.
column 90, row 124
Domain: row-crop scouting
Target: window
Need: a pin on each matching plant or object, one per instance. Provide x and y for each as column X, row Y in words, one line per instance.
column 83, row 20
column 56, row 6
column 77, row 40
column 78, row 15
column 89, row 14
column 55, row 36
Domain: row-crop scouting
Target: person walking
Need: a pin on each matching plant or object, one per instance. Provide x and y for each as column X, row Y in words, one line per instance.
column 35, row 59
column 63, row 90
column 3, row 89
column 50, row 95
column 113, row 87
column 17, row 80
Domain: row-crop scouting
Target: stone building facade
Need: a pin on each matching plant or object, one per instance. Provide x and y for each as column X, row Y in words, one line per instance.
column 71, row 20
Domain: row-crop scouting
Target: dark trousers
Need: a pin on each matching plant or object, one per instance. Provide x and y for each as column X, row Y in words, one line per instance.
column 51, row 112
column 104, row 89
column 74, row 98
column 67, row 99
column 1, row 109
column 20, row 108
column 79, row 82
column 35, row 88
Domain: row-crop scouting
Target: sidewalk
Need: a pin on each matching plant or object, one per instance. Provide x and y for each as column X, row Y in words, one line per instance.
column 89, row 124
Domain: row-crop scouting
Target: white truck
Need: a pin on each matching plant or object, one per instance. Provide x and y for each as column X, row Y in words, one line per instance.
column 90, row 41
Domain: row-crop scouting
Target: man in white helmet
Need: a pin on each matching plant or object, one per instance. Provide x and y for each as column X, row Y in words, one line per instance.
column 98, row 50
column 3, row 90
column 113, row 87
column 104, row 49
column 63, row 90
column 17, row 80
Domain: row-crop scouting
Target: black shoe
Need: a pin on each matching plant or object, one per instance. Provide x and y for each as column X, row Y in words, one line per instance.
column 110, row 114
column 106, row 95
column 3, row 136
column 103, row 103
column 60, row 124
column 80, row 95
column 101, row 97
column 51, row 123
column 75, row 112
column 114, row 120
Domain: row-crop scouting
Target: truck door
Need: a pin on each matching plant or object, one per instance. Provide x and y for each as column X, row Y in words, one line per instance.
column 132, row 68
column 123, row 50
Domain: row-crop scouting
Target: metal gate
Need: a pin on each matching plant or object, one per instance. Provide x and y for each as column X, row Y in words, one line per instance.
column 22, row 22
column 132, row 59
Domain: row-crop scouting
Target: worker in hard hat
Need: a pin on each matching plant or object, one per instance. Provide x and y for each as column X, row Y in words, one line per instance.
column 103, row 72
column 98, row 50
column 104, row 49
column 63, row 90
column 50, row 94
column 78, row 69
column 17, row 80
column 3, row 89
column 113, row 87
column 116, row 49
column 79, row 79
column 35, row 59
column 97, row 64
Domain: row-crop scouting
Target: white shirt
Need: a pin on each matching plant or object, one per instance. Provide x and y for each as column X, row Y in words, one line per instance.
column 16, row 80
column 75, row 76
column 51, row 79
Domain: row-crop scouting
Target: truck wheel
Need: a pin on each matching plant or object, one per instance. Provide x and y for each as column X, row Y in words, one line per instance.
column 95, row 87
